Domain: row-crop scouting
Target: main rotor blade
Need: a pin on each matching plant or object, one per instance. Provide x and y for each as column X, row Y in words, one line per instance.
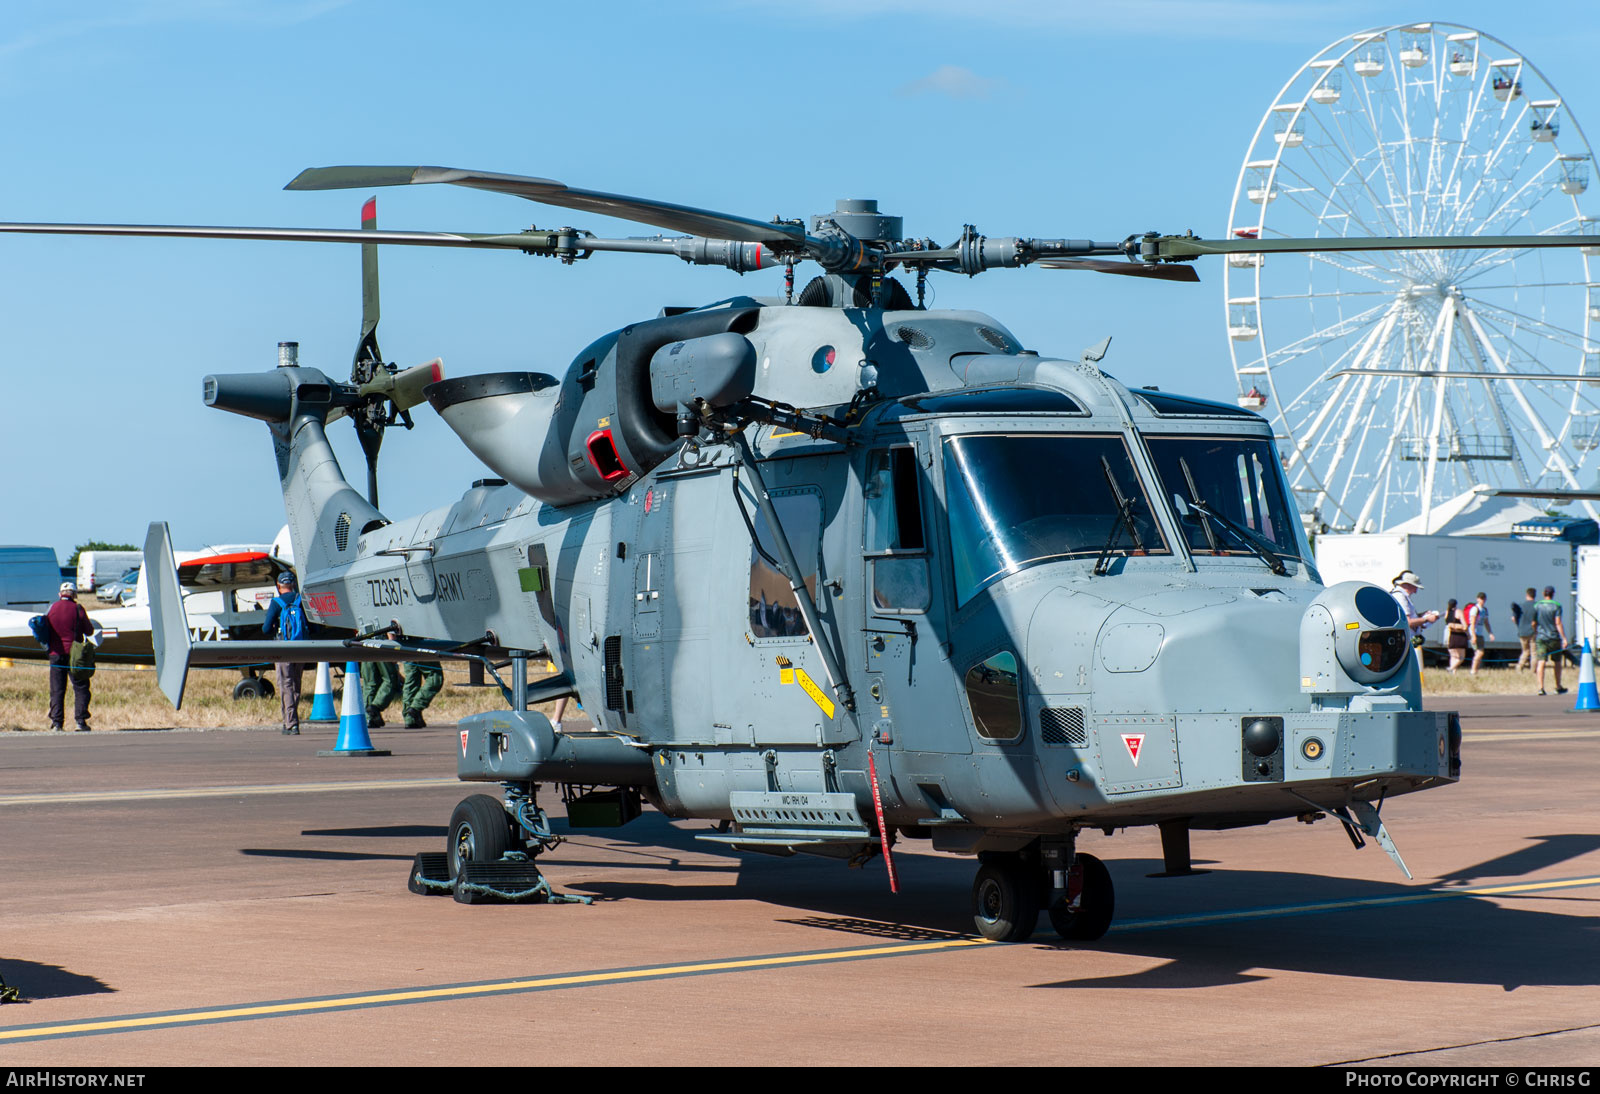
column 1161, row 271
column 513, row 241
column 1182, row 247
column 660, row 214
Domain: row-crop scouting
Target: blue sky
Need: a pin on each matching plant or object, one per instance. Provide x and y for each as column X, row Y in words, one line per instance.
column 1051, row 119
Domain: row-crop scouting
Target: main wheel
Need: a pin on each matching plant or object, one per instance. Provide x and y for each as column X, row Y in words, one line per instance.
column 1087, row 915
column 248, row 688
column 1005, row 901
column 480, row 831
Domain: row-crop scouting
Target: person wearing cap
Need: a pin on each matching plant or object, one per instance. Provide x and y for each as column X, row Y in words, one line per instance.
column 286, row 619
column 1406, row 586
column 68, row 623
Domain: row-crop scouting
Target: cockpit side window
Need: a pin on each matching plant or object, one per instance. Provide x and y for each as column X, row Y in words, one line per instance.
column 895, row 543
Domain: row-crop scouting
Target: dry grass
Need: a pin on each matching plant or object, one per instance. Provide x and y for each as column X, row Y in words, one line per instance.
column 1497, row 680
column 127, row 698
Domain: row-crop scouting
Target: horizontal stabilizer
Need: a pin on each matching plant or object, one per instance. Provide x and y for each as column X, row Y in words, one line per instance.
column 312, row 651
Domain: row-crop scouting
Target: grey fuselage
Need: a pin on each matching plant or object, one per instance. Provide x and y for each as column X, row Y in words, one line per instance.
column 1133, row 688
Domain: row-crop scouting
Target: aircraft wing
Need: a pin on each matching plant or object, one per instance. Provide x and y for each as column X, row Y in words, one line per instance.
column 240, row 570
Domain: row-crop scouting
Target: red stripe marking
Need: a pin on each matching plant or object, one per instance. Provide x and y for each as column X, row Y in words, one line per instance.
column 883, row 831
column 222, row 560
column 369, row 212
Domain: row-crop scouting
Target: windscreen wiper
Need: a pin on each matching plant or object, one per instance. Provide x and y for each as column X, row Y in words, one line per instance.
column 1124, row 520
column 1194, row 492
column 1243, row 535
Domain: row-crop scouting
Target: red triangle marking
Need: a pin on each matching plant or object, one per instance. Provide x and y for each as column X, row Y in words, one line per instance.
column 464, row 742
column 1134, row 742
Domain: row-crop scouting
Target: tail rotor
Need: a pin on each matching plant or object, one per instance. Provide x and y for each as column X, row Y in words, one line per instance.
column 385, row 393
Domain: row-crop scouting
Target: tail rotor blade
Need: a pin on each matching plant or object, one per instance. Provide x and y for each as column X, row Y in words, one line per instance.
column 369, row 272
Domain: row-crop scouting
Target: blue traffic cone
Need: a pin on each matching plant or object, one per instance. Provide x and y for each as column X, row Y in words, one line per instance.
column 1588, row 697
column 353, row 737
column 322, row 708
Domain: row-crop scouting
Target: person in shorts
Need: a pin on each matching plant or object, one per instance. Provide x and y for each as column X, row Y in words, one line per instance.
column 1478, row 633
column 1524, row 617
column 1549, row 637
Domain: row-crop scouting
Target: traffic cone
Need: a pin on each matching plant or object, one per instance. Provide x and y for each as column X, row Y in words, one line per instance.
column 353, row 737
column 1588, row 697
column 322, row 708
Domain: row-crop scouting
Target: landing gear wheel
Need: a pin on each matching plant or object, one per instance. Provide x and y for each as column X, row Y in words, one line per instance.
column 252, row 687
column 480, row 831
column 1005, row 901
column 1088, row 915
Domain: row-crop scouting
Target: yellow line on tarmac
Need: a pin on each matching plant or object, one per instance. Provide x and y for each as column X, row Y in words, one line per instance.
column 501, row 987
column 1536, row 735
column 172, row 794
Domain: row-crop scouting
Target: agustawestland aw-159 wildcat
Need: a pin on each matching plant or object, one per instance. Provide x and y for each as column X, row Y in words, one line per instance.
column 837, row 571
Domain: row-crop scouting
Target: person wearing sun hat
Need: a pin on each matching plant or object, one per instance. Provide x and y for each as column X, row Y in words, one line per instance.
column 1406, row 586
column 68, row 623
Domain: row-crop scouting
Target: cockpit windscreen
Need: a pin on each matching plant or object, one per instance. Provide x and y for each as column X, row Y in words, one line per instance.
column 1236, row 477
column 1015, row 500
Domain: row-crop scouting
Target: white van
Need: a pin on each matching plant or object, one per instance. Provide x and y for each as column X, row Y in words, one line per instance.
column 97, row 567
column 30, row 578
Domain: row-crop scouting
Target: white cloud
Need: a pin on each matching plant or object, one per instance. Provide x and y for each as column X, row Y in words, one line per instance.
column 93, row 18
column 952, row 81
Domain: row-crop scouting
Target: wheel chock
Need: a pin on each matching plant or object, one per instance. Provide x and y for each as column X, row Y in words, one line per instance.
column 430, row 874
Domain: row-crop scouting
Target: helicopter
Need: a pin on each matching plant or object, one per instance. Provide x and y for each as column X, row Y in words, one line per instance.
column 836, row 571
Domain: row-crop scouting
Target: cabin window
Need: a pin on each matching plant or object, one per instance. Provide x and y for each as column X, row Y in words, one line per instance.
column 774, row 611
column 994, row 693
column 1015, row 501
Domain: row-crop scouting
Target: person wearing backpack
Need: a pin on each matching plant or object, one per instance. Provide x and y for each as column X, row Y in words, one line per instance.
column 67, row 625
column 286, row 619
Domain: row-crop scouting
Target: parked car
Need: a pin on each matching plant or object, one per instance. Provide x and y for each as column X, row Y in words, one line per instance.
column 111, row 592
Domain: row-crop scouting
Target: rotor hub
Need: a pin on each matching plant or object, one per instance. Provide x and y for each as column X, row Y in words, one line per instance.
column 859, row 217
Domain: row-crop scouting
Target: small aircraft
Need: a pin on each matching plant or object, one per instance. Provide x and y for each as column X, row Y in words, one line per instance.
column 222, row 589
column 834, row 570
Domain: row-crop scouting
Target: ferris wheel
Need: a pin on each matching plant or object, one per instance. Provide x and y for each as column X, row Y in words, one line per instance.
column 1397, row 380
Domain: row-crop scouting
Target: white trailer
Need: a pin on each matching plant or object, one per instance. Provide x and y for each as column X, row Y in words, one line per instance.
column 1587, row 619
column 1458, row 567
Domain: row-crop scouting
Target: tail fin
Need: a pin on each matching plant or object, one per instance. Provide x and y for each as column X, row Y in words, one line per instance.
column 169, row 623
